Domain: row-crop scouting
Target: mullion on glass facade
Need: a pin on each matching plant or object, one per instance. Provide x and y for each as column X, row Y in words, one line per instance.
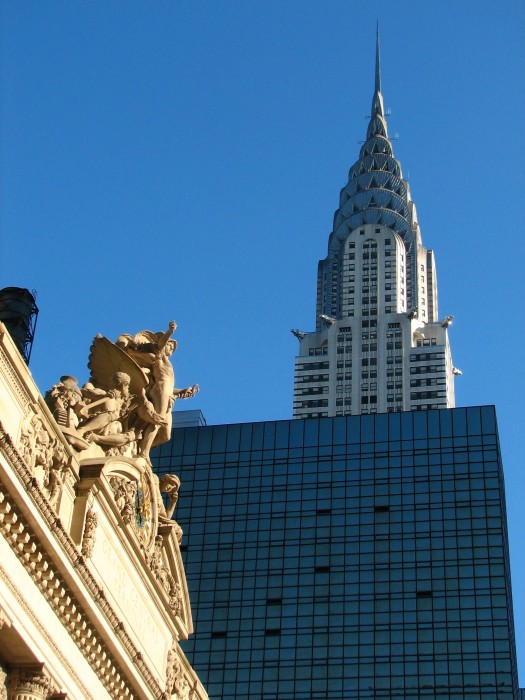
column 348, row 557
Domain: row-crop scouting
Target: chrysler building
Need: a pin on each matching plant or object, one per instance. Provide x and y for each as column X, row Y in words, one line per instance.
column 379, row 345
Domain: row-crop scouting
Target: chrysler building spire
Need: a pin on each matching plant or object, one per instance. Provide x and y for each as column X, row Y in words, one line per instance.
column 378, row 344
column 378, row 62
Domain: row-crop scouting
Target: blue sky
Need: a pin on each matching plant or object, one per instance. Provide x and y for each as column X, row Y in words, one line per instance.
column 171, row 159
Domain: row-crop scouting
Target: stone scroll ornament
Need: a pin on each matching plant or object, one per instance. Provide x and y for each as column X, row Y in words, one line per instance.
column 125, row 408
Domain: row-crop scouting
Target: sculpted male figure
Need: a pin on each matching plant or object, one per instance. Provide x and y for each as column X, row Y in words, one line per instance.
column 154, row 357
column 113, row 404
column 162, row 371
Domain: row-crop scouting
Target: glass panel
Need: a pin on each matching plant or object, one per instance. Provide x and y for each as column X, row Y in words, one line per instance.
column 311, row 432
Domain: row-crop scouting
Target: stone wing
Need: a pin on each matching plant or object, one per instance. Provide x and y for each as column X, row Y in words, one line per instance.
column 106, row 358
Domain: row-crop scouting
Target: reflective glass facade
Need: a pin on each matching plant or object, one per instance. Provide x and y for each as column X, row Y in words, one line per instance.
column 352, row 557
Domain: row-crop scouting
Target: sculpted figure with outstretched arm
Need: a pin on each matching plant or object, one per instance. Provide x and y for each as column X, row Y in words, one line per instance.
column 162, row 392
column 163, row 376
column 125, row 408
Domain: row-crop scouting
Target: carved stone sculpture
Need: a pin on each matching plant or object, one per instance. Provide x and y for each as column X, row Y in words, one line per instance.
column 125, row 408
column 103, row 416
column 152, row 352
column 62, row 399
column 170, row 484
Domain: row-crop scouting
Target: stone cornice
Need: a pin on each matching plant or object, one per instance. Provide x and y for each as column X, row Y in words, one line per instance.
column 15, row 381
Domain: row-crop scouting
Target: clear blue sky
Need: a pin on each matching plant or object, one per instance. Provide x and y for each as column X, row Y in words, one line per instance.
column 171, row 159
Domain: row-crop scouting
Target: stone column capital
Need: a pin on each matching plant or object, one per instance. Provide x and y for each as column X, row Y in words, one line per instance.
column 30, row 683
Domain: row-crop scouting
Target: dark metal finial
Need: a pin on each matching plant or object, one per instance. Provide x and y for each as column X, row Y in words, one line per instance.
column 378, row 64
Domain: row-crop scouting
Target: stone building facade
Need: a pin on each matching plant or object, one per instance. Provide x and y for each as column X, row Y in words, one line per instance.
column 93, row 594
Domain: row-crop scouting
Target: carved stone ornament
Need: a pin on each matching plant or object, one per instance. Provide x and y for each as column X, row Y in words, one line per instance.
column 175, row 596
column 124, row 491
column 29, row 684
column 3, row 683
column 44, row 455
column 158, row 565
column 125, row 408
column 88, row 540
column 176, row 684
column 36, row 445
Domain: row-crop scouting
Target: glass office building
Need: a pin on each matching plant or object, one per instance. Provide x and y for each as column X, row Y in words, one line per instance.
column 347, row 557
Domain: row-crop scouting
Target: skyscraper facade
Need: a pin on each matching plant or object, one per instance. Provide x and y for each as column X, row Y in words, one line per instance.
column 349, row 557
column 379, row 344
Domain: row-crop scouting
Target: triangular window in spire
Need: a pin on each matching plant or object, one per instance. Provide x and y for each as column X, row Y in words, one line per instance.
column 372, row 202
column 362, row 168
column 373, row 182
column 358, row 188
column 374, row 164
